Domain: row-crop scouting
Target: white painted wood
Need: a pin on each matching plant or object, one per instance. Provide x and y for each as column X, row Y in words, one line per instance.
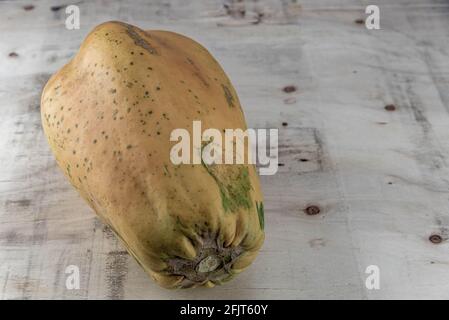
column 380, row 178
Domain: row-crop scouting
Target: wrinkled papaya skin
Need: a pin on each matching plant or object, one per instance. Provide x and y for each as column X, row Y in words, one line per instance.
column 108, row 115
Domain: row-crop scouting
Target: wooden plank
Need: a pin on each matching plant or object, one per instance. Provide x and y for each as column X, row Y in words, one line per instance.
column 380, row 178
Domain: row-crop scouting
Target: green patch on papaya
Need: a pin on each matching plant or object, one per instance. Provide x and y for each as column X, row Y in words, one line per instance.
column 232, row 181
column 234, row 188
column 260, row 213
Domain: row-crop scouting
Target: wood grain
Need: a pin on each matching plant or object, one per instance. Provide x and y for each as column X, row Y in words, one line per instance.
column 379, row 177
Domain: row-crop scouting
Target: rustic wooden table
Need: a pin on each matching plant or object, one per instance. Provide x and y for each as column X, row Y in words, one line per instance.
column 380, row 177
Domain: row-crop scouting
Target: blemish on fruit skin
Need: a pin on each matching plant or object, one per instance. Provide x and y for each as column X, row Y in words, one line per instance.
column 14, row 55
column 133, row 33
column 228, row 95
column 260, row 213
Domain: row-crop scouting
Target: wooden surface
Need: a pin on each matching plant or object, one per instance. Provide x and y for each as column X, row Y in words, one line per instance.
column 380, row 178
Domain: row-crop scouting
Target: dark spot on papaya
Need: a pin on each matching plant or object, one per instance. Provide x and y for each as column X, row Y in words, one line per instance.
column 261, row 214
column 28, row 7
column 158, row 88
column 228, row 96
column 134, row 33
column 14, row 55
column 95, row 141
column 284, row 124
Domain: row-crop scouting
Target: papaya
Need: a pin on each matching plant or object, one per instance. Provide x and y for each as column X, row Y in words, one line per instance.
column 108, row 115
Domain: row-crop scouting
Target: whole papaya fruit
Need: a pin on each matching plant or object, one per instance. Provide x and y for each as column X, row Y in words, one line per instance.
column 108, row 115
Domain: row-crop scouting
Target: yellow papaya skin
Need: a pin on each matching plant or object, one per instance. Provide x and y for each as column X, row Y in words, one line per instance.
column 108, row 115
